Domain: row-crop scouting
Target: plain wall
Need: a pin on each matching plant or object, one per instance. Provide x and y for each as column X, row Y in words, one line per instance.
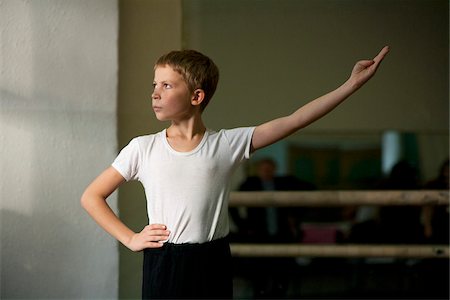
column 58, row 127
column 275, row 56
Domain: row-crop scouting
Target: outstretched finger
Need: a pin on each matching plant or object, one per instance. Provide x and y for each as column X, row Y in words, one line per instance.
column 380, row 56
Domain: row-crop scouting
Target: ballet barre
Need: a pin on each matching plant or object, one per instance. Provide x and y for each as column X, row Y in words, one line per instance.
column 339, row 198
column 344, row 250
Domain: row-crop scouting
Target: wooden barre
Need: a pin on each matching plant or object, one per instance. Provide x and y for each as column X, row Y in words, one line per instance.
column 332, row 250
column 339, row 198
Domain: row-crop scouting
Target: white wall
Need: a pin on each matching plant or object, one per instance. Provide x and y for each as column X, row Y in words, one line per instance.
column 57, row 131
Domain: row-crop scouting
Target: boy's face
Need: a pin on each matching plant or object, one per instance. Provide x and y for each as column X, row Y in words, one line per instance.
column 171, row 98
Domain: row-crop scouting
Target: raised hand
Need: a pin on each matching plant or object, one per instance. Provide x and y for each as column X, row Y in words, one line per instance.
column 152, row 236
column 365, row 69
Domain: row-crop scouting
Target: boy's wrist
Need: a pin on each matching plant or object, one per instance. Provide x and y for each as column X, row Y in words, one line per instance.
column 126, row 238
column 350, row 86
column 129, row 241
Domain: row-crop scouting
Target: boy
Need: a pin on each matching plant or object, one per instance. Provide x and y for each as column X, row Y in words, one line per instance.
column 185, row 170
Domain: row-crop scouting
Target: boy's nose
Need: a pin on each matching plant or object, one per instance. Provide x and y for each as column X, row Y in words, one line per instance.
column 155, row 95
column 156, row 92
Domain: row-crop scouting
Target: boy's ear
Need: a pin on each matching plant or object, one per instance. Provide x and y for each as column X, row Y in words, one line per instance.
column 198, row 97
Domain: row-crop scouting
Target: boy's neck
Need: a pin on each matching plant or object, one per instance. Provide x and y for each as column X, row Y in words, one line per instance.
column 185, row 136
column 187, row 130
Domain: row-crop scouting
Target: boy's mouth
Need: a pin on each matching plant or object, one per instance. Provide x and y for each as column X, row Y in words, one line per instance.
column 157, row 108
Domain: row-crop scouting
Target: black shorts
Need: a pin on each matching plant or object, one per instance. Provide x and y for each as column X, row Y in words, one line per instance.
column 193, row 271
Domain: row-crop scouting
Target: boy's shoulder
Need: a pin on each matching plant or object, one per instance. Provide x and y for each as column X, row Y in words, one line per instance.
column 234, row 130
column 147, row 136
column 144, row 140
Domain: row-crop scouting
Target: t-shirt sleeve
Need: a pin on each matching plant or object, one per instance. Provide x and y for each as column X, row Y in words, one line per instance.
column 128, row 161
column 240, row 141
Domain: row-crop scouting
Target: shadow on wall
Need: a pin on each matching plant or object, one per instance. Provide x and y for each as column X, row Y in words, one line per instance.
column 39, row 260
column 29, row 259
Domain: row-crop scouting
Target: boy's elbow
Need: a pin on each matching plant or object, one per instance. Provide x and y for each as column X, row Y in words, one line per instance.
column 91, row 199
column 86, row 200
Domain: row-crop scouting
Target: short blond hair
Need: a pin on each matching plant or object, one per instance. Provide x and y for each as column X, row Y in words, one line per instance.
column 198, row 71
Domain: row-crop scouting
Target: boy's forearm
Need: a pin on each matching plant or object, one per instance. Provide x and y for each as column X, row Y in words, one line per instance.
column 100, row 211
column 280, row 128
column 321, row 106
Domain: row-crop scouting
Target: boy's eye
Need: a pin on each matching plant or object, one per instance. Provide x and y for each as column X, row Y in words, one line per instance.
column 164, row 85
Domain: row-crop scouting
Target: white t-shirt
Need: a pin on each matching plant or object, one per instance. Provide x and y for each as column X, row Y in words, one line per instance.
column 187, row 191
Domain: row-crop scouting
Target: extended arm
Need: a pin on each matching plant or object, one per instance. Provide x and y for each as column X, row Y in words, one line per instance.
column 275, row 130
column 94, row 202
